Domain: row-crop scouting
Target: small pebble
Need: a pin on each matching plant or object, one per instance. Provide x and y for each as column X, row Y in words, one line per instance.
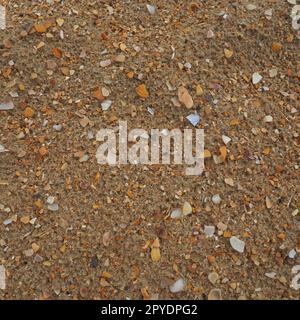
column 292, row 254
column 57, row 127
column 187, row 209
column 215, row 294
column 268, row 119
column 256, row 78
column 6, row 105
column 209, row 230
column 237, row 244
column 216, row 199
column 213, row 277
column 177, row 286
column 50, row 200
column 193, row 119
column 151, row 8
column 270, row 275
column 106, row 105
column 53, row 207
column 175, row 214
column 226, row 139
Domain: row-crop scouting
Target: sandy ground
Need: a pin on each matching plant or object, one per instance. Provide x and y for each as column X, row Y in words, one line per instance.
column 108, row 233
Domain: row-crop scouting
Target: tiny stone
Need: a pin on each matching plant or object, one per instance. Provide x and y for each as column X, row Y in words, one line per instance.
column 268, row 119
column 187, row 209
column 151, row 8
column 177, row 286
column 105, row 63
column 269, row 13
column 50, row 200
column 106, row 105
column 210, row 34
column 28, row 253
column 175, row 214
column 250, row 7
column 270, row 275
column 221, row 226
column 193, row 119
column 53, row 207
column 229, row 181
column 7, row 221
column 6, row 105
column 237, row 244
column 209, row 230
column 2, row 148
column 256, row 78
column 273, row 72
column 37, row 258
column 215, row 294
column 292, row 254
column 226, row 139
column 213, row 277
column 57, row 127
column 216, row 199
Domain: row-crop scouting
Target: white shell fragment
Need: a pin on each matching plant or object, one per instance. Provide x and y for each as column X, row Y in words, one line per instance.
column 2, row 148
column 268, row 119
column 226, row 139
column 270, row 275
column 105, row 63
column 273, row 72
column 150, row 8
column 292, row 254
column 177, row 286
column 256, row 78
column 175, row 214
column 53, row 207
column 187, row 209
column 6, row 105
column 193, row 119
column 215, row 294
column 268, row 14
column 237, row 244
column 295, row 281
column 209, row 230
column 250, row 6
column 216, row 199
column 105, row 105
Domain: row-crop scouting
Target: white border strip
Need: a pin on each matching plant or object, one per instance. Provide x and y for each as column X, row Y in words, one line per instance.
column 2, row 18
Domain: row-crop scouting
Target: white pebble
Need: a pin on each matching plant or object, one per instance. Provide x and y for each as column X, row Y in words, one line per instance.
column 193, row 119
column 187, row 209
column 105, row 63
column 216, row 199
column 209, row 230
column 256, row 78
column 175, row 214
column 53, row 207
column 106, row 105
column 177, row 286
column 57, row 127
column 270, row 275
column 237, row 244
column 151, row 8
column 268, row 119
column 226, row 139
column 50, row 200
column 292, row 254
